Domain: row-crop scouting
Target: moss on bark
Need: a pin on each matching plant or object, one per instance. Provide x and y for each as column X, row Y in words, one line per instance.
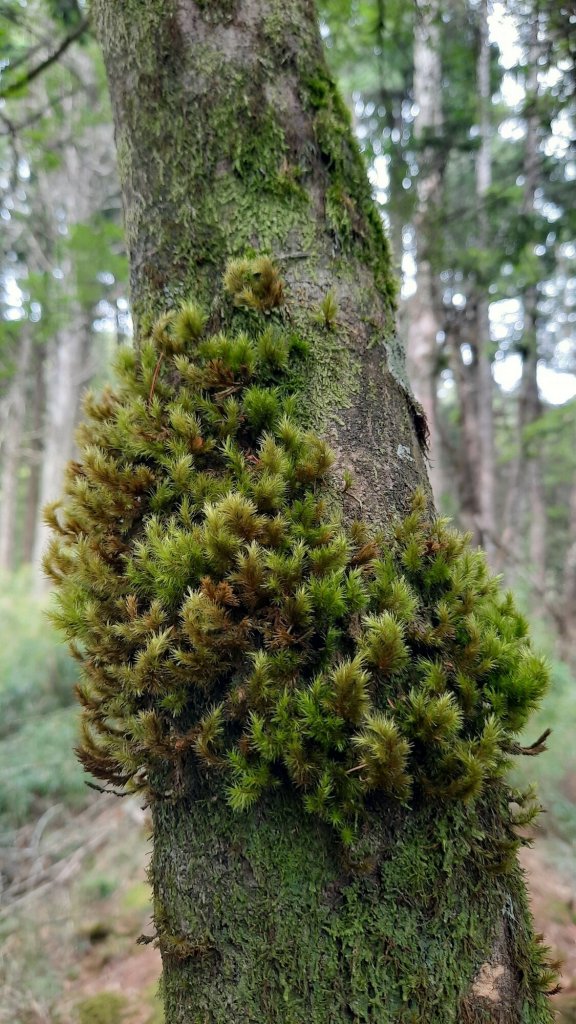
column 232, row 138
column 280, row 928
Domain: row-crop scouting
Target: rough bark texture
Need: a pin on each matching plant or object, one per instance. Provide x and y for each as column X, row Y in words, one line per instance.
column 231, row 136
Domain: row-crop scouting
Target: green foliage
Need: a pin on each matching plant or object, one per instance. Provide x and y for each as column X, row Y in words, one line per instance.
column 104, row 1008
column 219, row 610
column 554, row 773
column 36, row 671
column 36, row 769
column 328, row 311
column 37, row 728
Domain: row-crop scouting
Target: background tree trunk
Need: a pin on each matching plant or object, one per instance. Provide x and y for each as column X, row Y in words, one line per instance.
column 67, row 368
column 65, row 379
column 13, row 425
column 35, row 449
column 487, row 475
column 526, row 511
column 230, row 135
column 423, row 320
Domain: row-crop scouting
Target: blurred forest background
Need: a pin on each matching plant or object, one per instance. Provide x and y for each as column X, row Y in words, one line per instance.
column 465, row 110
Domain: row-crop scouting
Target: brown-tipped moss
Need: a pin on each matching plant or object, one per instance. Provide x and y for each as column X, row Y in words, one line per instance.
column 254, row 283
column 218, row 607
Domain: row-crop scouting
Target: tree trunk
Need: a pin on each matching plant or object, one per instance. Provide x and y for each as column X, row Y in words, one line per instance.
column 35, row 456
column 230, row 137
column 65, row 378
column 67, row 369
column 14, row 418
column 533, row 410
column 567, row 603
column 487, row 474
column 466, row 458
column 526, row 509
column 423, row 320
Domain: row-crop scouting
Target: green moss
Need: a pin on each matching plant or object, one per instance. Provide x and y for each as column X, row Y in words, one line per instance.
column 137, row 897
column 350, row 207
column 217, row 12
column 298, row 927
column 239, row 168
column 396, row 937
column 232, row 145
column 225, row 612
column 105, row 1008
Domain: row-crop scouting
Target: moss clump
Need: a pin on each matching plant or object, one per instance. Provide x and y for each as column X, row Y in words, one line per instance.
column 220, row 611
column 350, row 208
column 254, row 283
column 105, row 1008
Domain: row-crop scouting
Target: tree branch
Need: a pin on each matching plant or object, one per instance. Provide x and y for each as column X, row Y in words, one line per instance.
column 43, row 65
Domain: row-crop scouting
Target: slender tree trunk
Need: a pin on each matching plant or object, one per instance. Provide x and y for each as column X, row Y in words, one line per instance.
column 535, row 508
column 67, row 368
column 532, row 176
column 230, row 136
column 65, row 378
column 526, row 508
column 35, row 457
column 568, row 598
column 487, row 474
column 466, row 454
column 423, row 319
column 14, row 418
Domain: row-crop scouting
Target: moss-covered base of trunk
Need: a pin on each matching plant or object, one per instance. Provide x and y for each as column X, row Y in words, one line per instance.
column 261, row 919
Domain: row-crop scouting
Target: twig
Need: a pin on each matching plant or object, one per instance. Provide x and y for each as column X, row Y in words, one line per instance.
column 104, row 789
column 41, row 825
column 155, row 377
column 45, row 64
column 538, row 747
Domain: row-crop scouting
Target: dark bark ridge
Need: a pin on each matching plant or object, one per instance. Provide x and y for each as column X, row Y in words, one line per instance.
column 232, row 140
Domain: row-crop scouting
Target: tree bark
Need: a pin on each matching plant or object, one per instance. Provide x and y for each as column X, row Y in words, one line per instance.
column 423, row 319
column 487, row 474
column 568, row 592
column 230, row 137
column 526, row 508
column 67, row 368
column 466, row 457
column 65, row 379
column 14, row 418
column 35, row 455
